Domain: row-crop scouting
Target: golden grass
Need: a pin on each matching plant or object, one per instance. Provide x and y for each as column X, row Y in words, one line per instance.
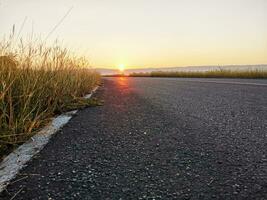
column 222, row 73
column 37, row 82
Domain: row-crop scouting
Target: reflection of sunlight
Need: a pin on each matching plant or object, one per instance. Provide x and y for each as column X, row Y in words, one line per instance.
column 122, row 85
column 122, row 81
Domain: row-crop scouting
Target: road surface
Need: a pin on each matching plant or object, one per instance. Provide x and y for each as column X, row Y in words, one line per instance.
column 157, row 138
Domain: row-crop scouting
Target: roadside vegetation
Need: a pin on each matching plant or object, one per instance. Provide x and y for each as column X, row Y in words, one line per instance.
column 221, row 73
column 38, row 82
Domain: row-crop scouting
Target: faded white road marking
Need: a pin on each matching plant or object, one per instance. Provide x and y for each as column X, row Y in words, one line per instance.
column 224, row 82
column 16, row 160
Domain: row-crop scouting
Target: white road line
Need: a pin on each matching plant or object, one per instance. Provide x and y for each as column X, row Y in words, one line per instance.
column 18, row 159
column 226, row 82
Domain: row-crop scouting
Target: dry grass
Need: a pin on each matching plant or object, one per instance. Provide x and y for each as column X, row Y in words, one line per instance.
column 37, row 82
column 222, row 73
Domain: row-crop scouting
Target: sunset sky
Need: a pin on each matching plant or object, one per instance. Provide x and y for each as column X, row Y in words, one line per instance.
column 148, row 33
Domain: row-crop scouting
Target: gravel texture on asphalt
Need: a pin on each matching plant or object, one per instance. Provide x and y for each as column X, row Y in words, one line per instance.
column 156, row 138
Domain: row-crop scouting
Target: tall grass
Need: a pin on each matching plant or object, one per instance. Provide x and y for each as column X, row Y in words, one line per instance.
column 222, row 73
column 37, row 82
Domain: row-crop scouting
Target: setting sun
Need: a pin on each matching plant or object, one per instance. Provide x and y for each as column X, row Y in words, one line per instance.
column 121, row 67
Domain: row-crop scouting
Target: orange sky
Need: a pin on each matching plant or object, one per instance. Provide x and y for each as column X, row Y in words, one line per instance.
column 149, row 33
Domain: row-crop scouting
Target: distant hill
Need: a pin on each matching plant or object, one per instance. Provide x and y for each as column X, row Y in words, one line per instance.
column 105, row 71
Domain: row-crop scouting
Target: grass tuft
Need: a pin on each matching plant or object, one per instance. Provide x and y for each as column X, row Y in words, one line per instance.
column 37, row 82
column 222, row 73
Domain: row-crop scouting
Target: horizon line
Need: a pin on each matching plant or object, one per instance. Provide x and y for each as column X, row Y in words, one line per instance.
column 217, row 65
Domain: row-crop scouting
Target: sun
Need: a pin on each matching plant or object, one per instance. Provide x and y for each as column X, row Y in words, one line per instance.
column 121, row 67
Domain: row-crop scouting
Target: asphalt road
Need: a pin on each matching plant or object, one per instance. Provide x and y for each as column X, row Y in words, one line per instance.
column 157, row 138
